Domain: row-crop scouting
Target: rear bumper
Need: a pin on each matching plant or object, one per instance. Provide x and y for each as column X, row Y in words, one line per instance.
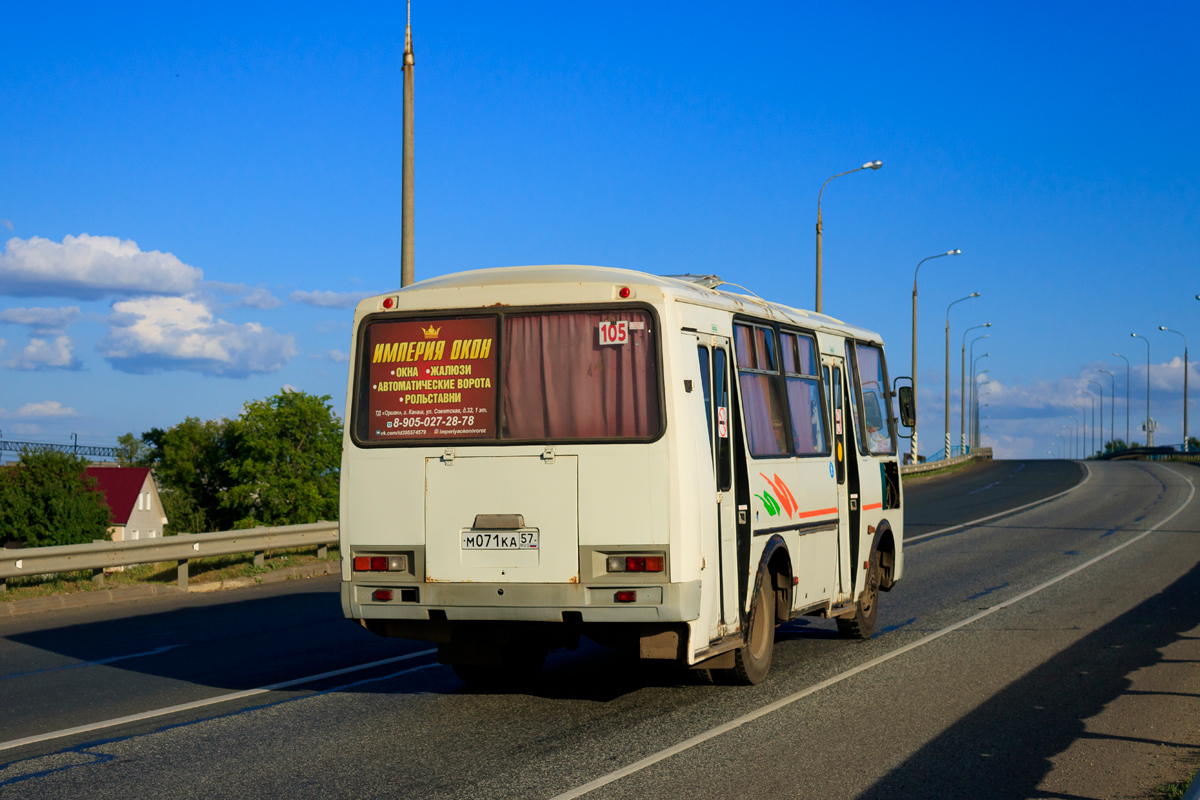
column 523, row 602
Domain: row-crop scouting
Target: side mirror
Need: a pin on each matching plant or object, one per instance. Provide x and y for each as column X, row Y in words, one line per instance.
column 908, row 406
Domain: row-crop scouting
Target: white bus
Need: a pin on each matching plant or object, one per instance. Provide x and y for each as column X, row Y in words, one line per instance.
column 532, row 454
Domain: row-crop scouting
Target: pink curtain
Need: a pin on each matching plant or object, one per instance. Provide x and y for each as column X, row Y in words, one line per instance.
column 559, row 382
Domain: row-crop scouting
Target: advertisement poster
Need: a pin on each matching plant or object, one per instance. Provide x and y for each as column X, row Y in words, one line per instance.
column 432, row 379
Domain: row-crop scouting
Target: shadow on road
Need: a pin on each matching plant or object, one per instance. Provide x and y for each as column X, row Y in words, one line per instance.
column 1003, row 748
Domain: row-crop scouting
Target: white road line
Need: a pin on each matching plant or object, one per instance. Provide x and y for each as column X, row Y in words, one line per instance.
column 712, row 733
column 1086, row 478
column 222, row 698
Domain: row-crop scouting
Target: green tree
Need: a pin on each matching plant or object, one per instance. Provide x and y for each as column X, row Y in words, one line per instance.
column 286, row 462
column 48, row 499
column 191, row 464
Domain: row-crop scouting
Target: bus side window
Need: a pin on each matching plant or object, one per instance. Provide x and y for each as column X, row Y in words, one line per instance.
column 702, row 351
column 855, row 397
column 724, row 420
column 804, row 395
column 758, row 377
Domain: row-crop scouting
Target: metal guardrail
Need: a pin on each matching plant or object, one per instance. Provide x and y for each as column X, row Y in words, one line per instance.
column 98, row 555
column 945, row 463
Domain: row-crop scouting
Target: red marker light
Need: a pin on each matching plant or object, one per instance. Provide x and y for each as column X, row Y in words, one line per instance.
column 381, row 595
column 624, row 292
column 388, row 302
column 379, row 563
column 654, row 563
column 635, row 563
column 362, row 563
column 626, row 596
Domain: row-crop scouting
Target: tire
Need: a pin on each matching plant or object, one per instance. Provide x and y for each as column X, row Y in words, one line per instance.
column 866, row 608
column 517, row 670
column 752, row 661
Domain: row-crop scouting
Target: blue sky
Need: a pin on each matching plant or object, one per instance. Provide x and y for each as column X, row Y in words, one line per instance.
column 236, row 169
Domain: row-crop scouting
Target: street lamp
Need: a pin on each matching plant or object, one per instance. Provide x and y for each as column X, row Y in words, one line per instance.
column 1092, row 398
column 1083, row 413
column 868, row 165
column 1094, row 383
column 1072, row 432
column 1112, row 407
column 1185, row 381
column 974, row 432
column 956, row 302
column 1149, row 432
column 914, row 337
column 962, row 400
column 1118, row 355
column 1075, row 438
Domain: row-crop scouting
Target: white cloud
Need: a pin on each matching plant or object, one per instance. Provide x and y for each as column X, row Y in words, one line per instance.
column 90, row 267
column 27, row 429
column 156, row 333
column 46, row 408
column 45, row 321
column 6, row 224
column 338, row 356
column 44, row 354
column 261, row 299
column 326, row 299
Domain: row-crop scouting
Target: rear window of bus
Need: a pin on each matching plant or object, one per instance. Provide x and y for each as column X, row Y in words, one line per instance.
column 533, row 376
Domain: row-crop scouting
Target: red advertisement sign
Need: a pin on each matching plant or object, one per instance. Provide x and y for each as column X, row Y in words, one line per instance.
column 431, row 379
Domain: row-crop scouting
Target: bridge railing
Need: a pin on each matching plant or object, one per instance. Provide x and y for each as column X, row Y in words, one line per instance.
column 96, row 556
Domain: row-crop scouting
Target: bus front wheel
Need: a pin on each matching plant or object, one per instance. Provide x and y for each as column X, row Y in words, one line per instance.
column 862, row 623
column 752, row 660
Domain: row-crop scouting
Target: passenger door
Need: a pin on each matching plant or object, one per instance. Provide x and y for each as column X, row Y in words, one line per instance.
column 834, row 373
column 716, row 359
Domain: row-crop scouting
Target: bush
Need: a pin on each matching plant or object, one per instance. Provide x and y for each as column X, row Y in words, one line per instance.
column 48, row 499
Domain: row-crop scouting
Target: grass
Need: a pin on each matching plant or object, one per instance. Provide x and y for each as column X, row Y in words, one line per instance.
column 945, row 471
column 200, row 570
column 1173, row 791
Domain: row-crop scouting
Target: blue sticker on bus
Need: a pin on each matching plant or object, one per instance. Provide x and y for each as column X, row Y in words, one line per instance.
column 831, row 469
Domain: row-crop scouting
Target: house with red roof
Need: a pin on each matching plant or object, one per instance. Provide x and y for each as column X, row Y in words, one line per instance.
column 130, row 492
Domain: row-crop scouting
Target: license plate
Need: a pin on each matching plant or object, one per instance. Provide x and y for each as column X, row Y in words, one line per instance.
column 499, row 540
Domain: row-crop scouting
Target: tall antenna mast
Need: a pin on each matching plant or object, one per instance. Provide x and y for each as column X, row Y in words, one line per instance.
column 407, row 249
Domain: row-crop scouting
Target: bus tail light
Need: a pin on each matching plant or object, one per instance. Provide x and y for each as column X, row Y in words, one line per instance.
column 634, row 563
column 381, row 595
column 381, row 563
column 626, row 596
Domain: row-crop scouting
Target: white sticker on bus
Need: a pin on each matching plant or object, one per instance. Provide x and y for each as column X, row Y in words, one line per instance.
column 614, row 332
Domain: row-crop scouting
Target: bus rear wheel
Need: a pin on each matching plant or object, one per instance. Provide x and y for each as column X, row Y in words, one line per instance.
column 862, row 624
column 752, row 661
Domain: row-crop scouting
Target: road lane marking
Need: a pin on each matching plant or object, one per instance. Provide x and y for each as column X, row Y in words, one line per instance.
column 733, row 724
column 973, row 522
column 223, row 698
column 96, row 663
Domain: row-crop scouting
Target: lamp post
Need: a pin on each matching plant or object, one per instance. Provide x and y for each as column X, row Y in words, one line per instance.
column 1126, row 360
column 1076, row 437
column 1112, row 408
column 1149, row 432
column 975, row 408
column 1092, row 398
column 1185, row 380
column 974, row 432
column 968, row 297
column 1083, row 414
column 1070, row 450
column 962, row 400
column 971, row 398
column 868, row 165
column 407, row 249
column 1101, row 388
column 914, row 338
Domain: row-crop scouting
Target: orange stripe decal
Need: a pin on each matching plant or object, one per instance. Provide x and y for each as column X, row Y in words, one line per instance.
column 818, row 513
column 872, row 506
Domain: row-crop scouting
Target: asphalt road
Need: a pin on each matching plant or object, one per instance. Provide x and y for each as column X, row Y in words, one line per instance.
column 994, row 707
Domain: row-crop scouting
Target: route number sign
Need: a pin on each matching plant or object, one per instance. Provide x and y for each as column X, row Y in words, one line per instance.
column 614, row 332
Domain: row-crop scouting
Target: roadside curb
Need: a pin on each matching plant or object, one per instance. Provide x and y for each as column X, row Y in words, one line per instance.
column 101, row 597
